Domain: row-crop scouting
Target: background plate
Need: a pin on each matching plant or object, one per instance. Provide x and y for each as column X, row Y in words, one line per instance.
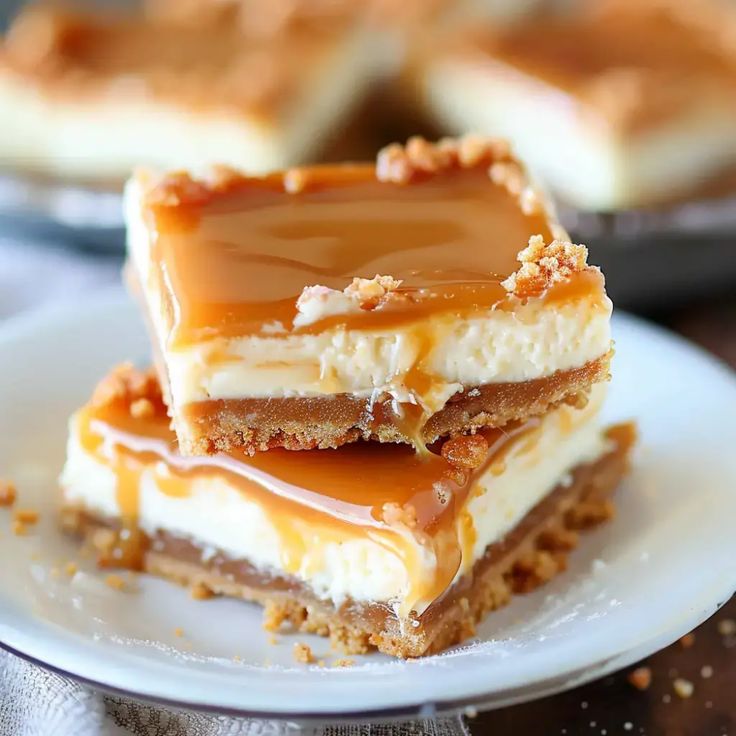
column 664, row 564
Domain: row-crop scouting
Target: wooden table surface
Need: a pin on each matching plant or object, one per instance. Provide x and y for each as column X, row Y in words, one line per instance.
column 613, row 706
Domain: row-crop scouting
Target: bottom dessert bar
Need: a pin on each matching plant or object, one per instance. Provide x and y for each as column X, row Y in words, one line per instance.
column 372, row 545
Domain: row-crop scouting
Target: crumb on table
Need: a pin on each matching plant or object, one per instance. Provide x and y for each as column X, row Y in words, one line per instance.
column 683, row 688
column 640, row 678
column 687, row 641
column 303, row 653
column 343, row 662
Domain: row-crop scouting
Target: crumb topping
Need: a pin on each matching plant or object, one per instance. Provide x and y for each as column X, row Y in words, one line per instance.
column 127, row 386
column 8, row 492
column 401, row 164
column 395, row 514
column 318, row 302
column 543, row 265
column 303, row 653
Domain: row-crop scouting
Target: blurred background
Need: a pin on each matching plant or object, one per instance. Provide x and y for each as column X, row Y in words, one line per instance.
column 624, row 109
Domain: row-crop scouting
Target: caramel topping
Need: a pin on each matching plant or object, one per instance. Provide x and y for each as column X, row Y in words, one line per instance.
column 211, row 63
column 636, row 63
column 431, row 229
column 388, row 492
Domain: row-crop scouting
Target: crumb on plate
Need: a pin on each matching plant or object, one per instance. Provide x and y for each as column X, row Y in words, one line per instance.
column 303, row 653
column 683, row 688
column 8, row 492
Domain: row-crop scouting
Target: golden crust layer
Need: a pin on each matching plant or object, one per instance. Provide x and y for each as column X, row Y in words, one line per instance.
column 306, row 423
column 533, row 553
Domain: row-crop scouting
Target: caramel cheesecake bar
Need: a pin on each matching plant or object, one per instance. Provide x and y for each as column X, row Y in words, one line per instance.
column 374, row 544
column 431, row 294
column 618, row 105
column 91, row 96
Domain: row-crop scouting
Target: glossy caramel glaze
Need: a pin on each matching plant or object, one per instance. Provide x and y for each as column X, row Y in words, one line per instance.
column 227, row 264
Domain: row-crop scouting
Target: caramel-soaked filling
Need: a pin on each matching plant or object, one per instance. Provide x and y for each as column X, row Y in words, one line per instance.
column 238, row 261
column 389, row 493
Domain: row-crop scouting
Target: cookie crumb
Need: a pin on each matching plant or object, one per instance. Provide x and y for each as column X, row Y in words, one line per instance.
column 178, row 631
column 683, row 688
column 640, row 678
column 26, row 516
column 343, row 662
column 303, row 653
column 200, row 592
column 727, row 627
column 321, row 663
column 687, row 641
column 70, row 569
column 115, row 582
column 8, row 492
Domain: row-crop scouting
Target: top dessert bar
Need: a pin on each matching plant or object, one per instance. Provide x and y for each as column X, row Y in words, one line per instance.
column 637, row 96
column 92, row 95
column 422, row 297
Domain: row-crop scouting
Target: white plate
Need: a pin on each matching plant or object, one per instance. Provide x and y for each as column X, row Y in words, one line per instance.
column 665, row 563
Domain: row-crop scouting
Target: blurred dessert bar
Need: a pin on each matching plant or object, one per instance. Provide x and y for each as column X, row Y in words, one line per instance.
column 374, row 545
column 430, row 294
column 90, row 96
column 617, row 105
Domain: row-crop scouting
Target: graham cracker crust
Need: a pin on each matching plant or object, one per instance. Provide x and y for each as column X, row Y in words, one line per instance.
column 298, row 423
column 531, row 554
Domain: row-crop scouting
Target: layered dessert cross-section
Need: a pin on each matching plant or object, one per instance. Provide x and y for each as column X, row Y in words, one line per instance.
column 618, row 105
column 92, row 95
column 430, row 294
column 375, row 545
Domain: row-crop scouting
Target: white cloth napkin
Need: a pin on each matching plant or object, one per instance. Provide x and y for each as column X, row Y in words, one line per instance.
column 37, row 702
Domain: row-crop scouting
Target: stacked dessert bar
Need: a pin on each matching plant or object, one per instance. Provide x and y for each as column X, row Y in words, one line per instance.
column 375, row 400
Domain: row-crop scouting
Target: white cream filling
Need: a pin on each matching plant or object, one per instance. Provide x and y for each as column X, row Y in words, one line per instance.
column 337, row 564
column 108, row 135
column 590, row 164
column 496, row 346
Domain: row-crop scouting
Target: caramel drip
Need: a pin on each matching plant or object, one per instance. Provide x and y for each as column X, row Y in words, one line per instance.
column 389, row 493
column 238, row 261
